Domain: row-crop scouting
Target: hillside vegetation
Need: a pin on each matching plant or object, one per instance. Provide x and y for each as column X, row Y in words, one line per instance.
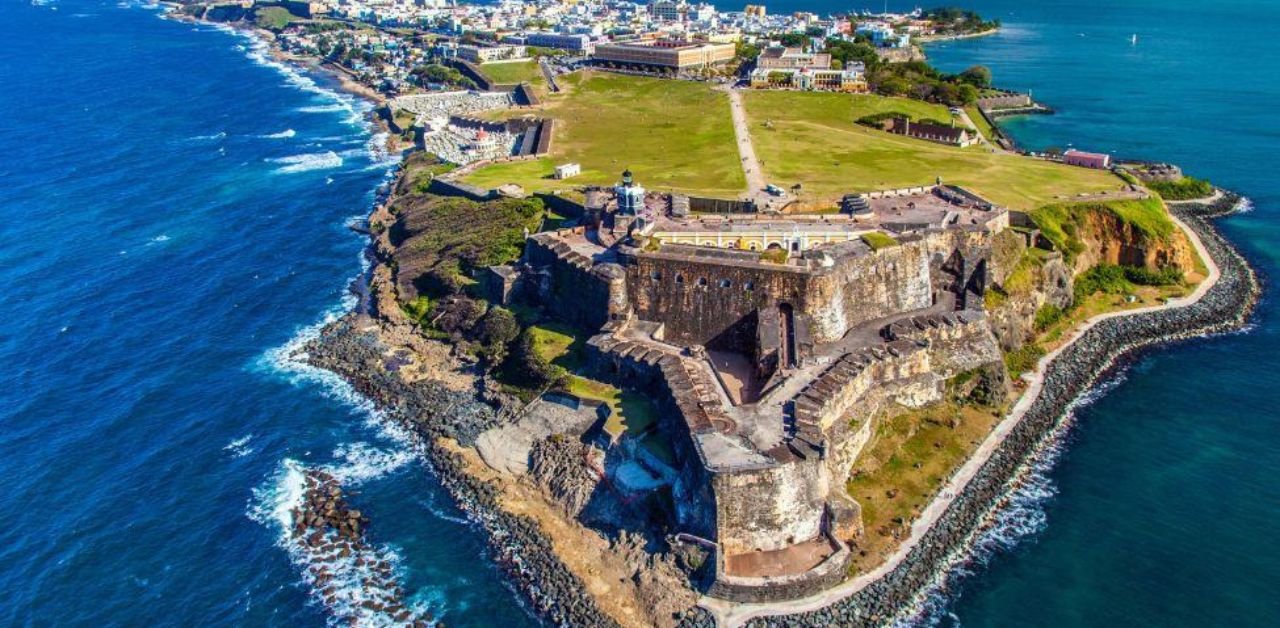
column 1061, row 222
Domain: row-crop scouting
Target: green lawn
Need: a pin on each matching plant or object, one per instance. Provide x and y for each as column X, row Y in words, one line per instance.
column 674, row 135
column 563, row 346
column 559, row 344
column 909, row 457
column 509, row 72
column 984, row 127
column 811, row 138
column 273, row 18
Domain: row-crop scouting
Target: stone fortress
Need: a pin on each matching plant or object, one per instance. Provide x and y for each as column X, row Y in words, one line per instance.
column 769, row 343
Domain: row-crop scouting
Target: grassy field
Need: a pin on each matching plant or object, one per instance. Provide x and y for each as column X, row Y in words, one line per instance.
column 811, row 138
column 908, row 458
column 562, row 346
column 508, row 72
column 674, row 135
column 984, row 127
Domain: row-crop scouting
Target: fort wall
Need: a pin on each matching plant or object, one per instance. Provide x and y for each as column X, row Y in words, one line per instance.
column 573, row 287
column 770, row 508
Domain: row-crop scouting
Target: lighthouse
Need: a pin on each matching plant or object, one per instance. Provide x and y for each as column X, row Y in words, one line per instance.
column 630, row 195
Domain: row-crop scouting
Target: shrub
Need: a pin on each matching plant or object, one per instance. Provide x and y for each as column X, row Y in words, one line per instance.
column 496, row 330
column 1104, row 278
column 1023, row 360
column 418, row 309
column 1047, row 316
column 527, row 368
column 774, row 256
column 1184, row 189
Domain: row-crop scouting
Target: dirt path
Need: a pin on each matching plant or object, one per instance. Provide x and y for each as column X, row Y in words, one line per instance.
column 735, row 614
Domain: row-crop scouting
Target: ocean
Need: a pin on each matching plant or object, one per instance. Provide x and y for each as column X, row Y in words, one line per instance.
column 175, row 213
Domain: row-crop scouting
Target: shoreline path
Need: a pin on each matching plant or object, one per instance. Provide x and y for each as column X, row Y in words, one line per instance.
column 735, row 614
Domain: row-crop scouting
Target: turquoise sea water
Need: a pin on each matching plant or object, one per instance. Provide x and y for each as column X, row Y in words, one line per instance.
column 1160, row 507
column 172, row 212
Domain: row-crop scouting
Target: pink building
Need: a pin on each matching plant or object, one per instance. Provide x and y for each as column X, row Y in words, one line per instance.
column 1086, row 160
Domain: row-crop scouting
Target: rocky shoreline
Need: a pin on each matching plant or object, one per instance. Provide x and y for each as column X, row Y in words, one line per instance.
column 1224, row 307
column 431, row 413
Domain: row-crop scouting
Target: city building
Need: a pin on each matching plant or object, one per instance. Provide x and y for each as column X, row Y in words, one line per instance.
column 486, row 54
column 680, row 55
column 575, row 42
column 955, row 136
column 781, row 58
column 793, row 68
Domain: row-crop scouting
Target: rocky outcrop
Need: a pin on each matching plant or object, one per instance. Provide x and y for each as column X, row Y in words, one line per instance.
column 1012, row 314
column 562, row 466
column 1110, row 240
column 429, row 411
column 354, row 581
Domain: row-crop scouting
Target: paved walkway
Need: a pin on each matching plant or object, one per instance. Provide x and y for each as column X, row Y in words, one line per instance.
column 735, row 614
column 747, row 151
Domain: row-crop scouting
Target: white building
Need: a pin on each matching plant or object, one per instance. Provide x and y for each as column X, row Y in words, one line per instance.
column 564, row 171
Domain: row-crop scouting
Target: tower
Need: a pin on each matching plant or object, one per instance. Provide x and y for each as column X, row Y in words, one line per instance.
column 630, row 195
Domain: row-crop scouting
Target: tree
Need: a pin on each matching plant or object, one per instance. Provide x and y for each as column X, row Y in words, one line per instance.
column 978, row 76
column 497, row 329
column 793, row 40
column 527, row 368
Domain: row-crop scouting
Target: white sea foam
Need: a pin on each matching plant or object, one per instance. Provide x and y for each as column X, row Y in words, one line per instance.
column 239, row 447
column 330, row 108
column 1243, row 206
column 208, row 138
column 159, row 239
column 307, row 162
column 285, row 134
column 1021, row 516
column 341, row 584
column 362, row 462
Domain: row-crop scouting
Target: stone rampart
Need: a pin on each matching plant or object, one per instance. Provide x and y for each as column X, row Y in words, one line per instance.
column 573, row 287
column 955, row 341
column 702, row 299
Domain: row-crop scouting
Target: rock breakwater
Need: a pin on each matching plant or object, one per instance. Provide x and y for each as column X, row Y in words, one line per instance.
column 354, row 581
column 1223, row 307
column 351, row 348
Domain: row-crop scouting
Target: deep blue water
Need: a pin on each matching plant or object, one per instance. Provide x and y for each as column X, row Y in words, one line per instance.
column 158, row 248
column 156, row 245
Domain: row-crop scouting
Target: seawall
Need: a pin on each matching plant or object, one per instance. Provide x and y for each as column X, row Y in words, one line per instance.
column 898, row 587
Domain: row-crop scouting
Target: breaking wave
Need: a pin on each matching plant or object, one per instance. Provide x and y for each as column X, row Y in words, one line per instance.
column 308, row 162
column 1243, row 206
column 285, row 134
column 1021, row 516
column 356, row 582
